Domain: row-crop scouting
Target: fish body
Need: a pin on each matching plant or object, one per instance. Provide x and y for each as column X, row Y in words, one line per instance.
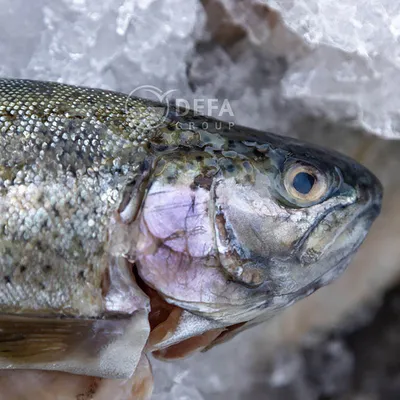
column 125, row 222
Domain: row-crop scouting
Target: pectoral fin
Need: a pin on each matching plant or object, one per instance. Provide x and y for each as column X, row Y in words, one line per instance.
column 81, row 346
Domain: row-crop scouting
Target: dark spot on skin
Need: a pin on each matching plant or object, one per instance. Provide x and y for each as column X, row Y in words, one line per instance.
column 118, row 170
column 105, row 283
column 72, row 170
column 80, row 154
column 161, row 147
column 42, row 286
column 47, row 268
column 56, row 212
column 186, row 148
column 8, row 116
column 193, row 203
column 171, row 179
column 81, row 275
column 199, row 158
column 202, row 181
column 248, row 178
column 230, row 168
column 78, row 116
column 91, row 390
column 144, row 166
column 173, row 114
column 171, row 127
column 22, row 268
column 7, row 279
column 258, row 152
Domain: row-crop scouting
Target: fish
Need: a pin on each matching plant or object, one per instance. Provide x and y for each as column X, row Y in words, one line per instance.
column 130, row 227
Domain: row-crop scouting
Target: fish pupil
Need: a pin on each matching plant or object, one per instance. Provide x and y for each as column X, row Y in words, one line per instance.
column 303, row 182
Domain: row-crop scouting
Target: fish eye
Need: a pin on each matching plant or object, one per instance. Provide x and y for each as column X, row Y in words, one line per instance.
column 305, row 183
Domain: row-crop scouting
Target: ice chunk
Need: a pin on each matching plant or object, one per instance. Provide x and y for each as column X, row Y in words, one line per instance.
column 113, row 44
column 333, row 60
column 352, row 68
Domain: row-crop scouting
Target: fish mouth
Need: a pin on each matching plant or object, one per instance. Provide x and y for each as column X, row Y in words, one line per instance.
column 344, row 225
column 327, row 248
column 340, row 256
column 300, row 246
column 338, row 252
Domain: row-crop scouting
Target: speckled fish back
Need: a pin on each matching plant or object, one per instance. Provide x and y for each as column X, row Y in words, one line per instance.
column 65, row 156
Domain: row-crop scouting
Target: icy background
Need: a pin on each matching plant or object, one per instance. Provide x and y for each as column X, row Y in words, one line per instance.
column 339, row 60
column 321, row 70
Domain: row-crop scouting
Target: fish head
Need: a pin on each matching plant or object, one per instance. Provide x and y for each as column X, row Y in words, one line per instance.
column 292, row 222
column 234, row 237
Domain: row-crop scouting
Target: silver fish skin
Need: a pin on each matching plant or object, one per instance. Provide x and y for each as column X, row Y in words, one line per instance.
column 105, row 199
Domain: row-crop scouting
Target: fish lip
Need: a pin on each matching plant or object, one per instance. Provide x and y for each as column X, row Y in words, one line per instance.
column 298, row 246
